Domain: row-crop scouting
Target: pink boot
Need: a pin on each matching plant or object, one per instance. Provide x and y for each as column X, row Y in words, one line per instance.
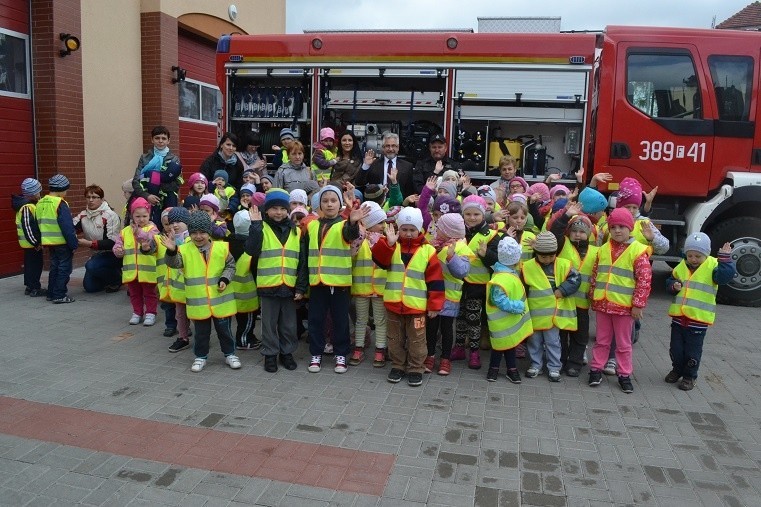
column 474, row 362
column 458, row 353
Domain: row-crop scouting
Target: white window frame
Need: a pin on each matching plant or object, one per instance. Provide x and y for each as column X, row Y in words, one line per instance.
column 25, row 38
column 198, row 120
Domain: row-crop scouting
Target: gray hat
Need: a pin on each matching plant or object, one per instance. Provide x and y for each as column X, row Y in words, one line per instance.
column 30, row 187
column 200, row 221
column 178, row 214
column 546, row 243
column 330, row 188
column 58, row 183
column 698, row 242
column 286, row 132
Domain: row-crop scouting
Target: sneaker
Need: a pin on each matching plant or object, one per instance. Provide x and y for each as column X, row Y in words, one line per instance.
column 314, row 364
column 63, row 300
column 573, row 372
column 395, row 375
column 520, row 351
column 134, row 320
column 233, row 361
column 673, row 377
column 379, row 360
column 170, row 331
column 414, row 379
column 253, row 345
column 179, row 344
column 288, row 362
column 687, row 384
column 595, row 378
column 198, row 364
column 445, row 367
column 340, row 364
column 492, row 374
column 270, row 364
column 474, row 360
column 458, row 353
column 357, row 356
column 328, row 349
column 150, row 319
column 626, row 384
column 554, row 376
column 532, row 372
column 429, row 363
column 610, row 367
column 513, row 375
column 35, row 293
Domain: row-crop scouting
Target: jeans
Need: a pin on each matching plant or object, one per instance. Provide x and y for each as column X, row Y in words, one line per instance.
column 60, row 271
column 545, row 341
column 101, row 270
column 686, row 350
column 32, row 268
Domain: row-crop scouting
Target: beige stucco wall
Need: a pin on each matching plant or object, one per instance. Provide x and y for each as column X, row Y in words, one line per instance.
column 111, row 87
column 262, row 16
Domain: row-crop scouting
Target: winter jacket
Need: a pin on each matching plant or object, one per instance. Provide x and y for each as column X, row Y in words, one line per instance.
column 214, row 162
column 289, row 177
column 101, row 226
column 28, row 220
column 253, row 247
column 424, row 169
column 168, row 187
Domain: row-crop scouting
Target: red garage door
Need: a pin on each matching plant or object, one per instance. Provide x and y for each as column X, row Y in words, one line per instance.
column 199, row 101
column 16, row 123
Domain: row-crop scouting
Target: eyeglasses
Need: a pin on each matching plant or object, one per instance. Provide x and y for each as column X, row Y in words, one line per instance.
column 93, row 197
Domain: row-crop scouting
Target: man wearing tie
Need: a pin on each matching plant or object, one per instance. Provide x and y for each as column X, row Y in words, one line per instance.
column 377, row 170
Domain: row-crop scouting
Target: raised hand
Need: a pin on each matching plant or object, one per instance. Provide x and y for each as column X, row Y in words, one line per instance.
column 369, row 157
column 599, row 178
column 482, row 248
column 511, row 232
column 254, row 214
column 650, row 196
column 358, row 214
column 648, row 230
column 430, row 183
column 391, row 235
column 168, row 241
column 553, row 177
column 439, row 166
column 573, row 209
column 726, row 248
column 580, row 175
column 392, row 175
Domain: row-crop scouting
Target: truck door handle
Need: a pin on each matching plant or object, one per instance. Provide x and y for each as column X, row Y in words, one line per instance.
column 620, row 150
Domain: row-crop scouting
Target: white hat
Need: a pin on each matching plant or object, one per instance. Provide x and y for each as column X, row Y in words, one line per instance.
column 298, row 195
column 376, row 215
column 242, row 222
column 508, row 251
column 410, row 216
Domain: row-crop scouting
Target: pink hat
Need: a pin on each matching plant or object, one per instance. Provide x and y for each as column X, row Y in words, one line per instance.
column 211, row 201
column 519, row 180
column 620, row 216
column 629, row 192
column 559, row 188
column 541, row 189
column 327, row 133
column 197, row 177
column 518, row 198
column 451, row 225
column 474, row 201
column 298, row 209
column 258, row 199
column 138, row 204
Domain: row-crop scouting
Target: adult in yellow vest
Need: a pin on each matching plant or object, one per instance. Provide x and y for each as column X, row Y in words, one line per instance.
column 209, row 269
column 506, row 310
column 28, row 234
column 58, row 234
column 551, row 283
column 694, row 283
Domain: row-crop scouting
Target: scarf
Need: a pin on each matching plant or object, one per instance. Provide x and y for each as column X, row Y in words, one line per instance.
column 156, row 162
column 228, row 161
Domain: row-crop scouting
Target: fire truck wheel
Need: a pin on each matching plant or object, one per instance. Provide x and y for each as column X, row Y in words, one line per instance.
column 744, row 234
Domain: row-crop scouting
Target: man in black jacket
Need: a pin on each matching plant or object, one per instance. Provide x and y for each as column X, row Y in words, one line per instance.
column 428, row 166
column 376, row 170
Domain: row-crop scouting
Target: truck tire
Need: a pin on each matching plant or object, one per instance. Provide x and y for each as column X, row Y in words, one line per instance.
column 744, row 234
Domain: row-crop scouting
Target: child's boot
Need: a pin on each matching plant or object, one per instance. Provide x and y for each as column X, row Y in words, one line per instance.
column 474, row 361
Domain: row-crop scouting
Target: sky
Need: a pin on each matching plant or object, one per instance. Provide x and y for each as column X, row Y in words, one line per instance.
column 450, row 14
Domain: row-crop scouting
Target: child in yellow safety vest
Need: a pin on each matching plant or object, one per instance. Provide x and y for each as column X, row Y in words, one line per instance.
column 172, row 290
column 209, row 268
column 506, row 310
column 551, row 283
column 414, row 290
column 367, row 284
column 137, row 246
column 694, row 283
column 209, row 204
column 275, row 248
column 28, row 234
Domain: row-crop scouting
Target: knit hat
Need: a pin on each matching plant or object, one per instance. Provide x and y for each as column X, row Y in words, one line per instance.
column 546, row 243
column 30, row 187
column 247, row 171
column 445, row 204
column 138, row 204
column 629, row 192
column 450, row 188
column 559, row 204
column 242, row 222
column 221, row 173
column 276, row 197
column 392, row 213
column 358, row 195
column 199, row 222
column 519, row 180
column 248, row 188
column 559, row 188
column 286, row 133
column 179, row 214
column 127, row 186
column 376, row 215
column 518, row 198
column 451, row 225
column 165, row 213
column 448, row 174
column 329, row 188
column 58, row 183
column 299, row 209
column 580, row 223
column 508, row 251
column 268, row 178
column 620, row 216
column 196, row 177
column 327, row 133
column 258, row 199
column 487, row 192
column 474, row 201
column 592, row 201
column 541, row 189
column 190, row 201
column 211, row 201
column 298, row 196
column 410, row 216
column 698, row 242
column 374, row 191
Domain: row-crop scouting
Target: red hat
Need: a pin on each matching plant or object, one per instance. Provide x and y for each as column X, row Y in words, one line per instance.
column 139, row 203
column 629, row 192
column 620, row 216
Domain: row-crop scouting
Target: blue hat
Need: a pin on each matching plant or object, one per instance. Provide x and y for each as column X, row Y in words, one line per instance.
column 248, row 188
column 330, row 188
column 178, row 214
column 698, row 242
column 559, row 204
column 592, row 201
column 58, row 183
column 285, row 133
column 190, row 201
column 30, row 187
column 276, row 197
column 221, row 173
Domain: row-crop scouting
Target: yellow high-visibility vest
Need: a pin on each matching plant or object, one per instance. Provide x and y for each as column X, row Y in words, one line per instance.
column 244, row 286
column 584, row 267
column 507, row 330
column 329, row 155
column 137, row 265
column 478, row 274
column 406, row 284
column 329, row 260
column 637, row 232
column 367, row 279
column 615, row 280
column 697, row 299
column 278, row 263
column 46, row 213
column 527, row 250
column 203, row 298
column 23, row 243
column 452, row 285
column 172, row 282
column 548, row 311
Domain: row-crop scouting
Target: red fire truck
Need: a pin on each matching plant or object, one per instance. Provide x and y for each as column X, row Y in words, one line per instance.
column 674, row 108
